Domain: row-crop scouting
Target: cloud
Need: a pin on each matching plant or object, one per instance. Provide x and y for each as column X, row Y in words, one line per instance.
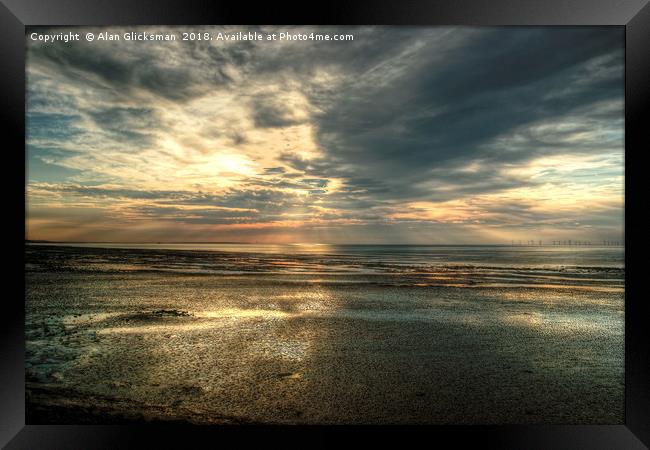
column 403, row 127
column 448, row 115
column 270, row 111
column 124, row 68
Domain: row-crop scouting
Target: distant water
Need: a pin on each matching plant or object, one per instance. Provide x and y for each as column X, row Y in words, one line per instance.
column 233, row 333
column 301, row 258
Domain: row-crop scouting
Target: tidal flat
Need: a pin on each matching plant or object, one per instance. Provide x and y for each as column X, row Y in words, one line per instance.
column 382, row 335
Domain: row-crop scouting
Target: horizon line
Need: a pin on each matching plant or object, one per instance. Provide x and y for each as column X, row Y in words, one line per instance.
column 601, row 244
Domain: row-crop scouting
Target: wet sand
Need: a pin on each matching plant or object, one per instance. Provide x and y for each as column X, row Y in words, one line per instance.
column 113, row 344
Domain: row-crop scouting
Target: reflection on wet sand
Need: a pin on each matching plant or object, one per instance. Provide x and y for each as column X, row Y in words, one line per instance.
column 288, row 348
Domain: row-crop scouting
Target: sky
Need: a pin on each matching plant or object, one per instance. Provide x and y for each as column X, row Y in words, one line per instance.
column 404, row 135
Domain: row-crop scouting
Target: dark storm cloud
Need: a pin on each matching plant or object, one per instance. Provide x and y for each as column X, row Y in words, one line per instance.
column 129, row 124
column 120, row 75
column 152, row 69
column 371, row 46
column 445, row 115
column 269, row 112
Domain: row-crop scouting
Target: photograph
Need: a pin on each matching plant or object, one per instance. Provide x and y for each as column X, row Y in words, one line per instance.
column 325, row 225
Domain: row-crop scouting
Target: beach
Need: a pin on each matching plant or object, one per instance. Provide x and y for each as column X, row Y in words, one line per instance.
column 324, row 335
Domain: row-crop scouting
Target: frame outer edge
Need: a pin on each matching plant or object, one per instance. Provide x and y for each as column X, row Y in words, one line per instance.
column 637, row 101
column 11, row 339
column 420, row 12
column 12, row 114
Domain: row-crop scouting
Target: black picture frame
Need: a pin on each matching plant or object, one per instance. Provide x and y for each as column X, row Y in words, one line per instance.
column 15, row 15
